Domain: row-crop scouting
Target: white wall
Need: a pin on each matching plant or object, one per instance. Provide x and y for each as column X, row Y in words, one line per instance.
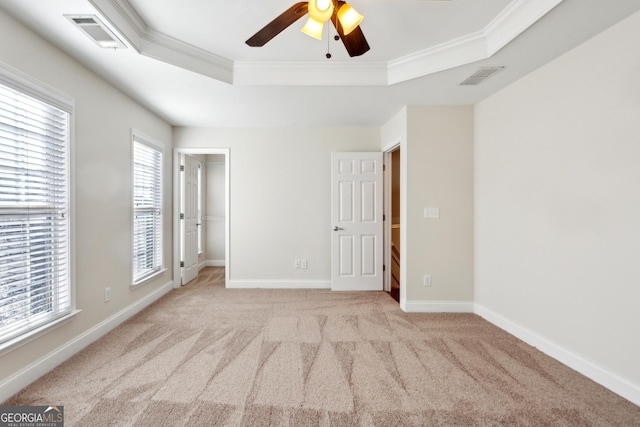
column 104, row 118
column 280, row 198
column 436, row 157
column 214, row 209
column 557, row 174
column 440, row 174
column 394, row 132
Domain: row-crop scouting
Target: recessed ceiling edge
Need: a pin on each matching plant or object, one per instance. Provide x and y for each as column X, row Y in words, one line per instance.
column 510, row 23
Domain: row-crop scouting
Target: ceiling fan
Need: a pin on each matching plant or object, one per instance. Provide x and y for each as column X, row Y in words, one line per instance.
column 344, row 18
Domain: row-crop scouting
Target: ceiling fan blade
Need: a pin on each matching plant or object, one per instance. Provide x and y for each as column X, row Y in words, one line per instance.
column 354, row 42
column 276, row 26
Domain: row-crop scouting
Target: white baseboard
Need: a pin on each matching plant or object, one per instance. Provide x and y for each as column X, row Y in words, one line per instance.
column 215, row 263
column 437, row 307
column 603, row 377
column 211, row 263
column 279, row 284
column 29, row 374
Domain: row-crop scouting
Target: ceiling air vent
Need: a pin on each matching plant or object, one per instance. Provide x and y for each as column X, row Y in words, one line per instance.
column 480, row 75
column 97, row 31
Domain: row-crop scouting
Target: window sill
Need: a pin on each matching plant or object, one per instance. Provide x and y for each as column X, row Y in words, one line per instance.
column 147, row 279
column 36, row 333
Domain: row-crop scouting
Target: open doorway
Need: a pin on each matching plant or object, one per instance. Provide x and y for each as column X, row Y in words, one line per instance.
column 392, row 223
column 201, row 212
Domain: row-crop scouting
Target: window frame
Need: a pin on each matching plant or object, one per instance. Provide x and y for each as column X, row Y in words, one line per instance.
column 138, row 137
column 42, row 92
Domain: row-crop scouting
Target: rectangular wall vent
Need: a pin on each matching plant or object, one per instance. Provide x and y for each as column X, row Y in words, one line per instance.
column 480, row 75
column 97, row 31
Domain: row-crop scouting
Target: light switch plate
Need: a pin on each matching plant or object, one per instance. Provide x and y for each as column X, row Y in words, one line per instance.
column 432, row 213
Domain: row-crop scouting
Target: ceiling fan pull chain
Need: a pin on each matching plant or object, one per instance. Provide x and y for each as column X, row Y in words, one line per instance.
column 328, row 42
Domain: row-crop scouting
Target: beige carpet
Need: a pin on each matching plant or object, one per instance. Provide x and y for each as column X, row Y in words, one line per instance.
column 206, row 356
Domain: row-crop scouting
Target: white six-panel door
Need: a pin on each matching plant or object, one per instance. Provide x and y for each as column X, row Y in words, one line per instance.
column 190, row 228
column 356, row 221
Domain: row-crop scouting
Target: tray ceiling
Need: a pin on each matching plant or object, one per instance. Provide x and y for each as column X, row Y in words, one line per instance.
column 187, row 61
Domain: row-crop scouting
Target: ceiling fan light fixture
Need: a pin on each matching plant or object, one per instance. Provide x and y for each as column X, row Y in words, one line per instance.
column 349, row 18
column 313, row 28
column 355, row 43
column 320, row 10
column 324, row 4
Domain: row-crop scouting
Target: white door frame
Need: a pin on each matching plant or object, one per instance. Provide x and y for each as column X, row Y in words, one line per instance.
column 177, row 197
column 386, row 231
column 388, row 216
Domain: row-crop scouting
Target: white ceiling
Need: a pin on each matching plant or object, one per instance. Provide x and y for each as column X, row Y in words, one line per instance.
column 418, row 24
column 187, row 61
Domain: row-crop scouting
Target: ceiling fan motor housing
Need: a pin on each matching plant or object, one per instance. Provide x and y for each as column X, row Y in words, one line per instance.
column 321, row 10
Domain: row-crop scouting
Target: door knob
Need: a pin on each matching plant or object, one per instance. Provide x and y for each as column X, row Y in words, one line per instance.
column 336, row 228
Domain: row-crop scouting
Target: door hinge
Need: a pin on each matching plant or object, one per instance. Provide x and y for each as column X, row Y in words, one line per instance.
column 181, row 263
column 181, row 168
column 181, row 216
column 384, row 267
column 384, row 168
column 384, row 217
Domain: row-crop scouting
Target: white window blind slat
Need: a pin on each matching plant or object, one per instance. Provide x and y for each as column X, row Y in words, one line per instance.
column 34, row 200
column 147, row 209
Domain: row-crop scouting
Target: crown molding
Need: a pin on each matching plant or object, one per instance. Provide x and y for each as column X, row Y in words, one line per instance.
column 154, row 44
column 247, row 73
column 514, row 20
column 454, row 53
column 172, row 51
column 509, row 24
column 123, row 18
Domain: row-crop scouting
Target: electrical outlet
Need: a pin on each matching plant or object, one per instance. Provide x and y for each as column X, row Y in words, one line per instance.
column 303, row 264
column 107, row 294
column 298, row 264
column 427, row 280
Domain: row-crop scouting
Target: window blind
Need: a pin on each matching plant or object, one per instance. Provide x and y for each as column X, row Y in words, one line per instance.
column 147, row 210
column 35, row 285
